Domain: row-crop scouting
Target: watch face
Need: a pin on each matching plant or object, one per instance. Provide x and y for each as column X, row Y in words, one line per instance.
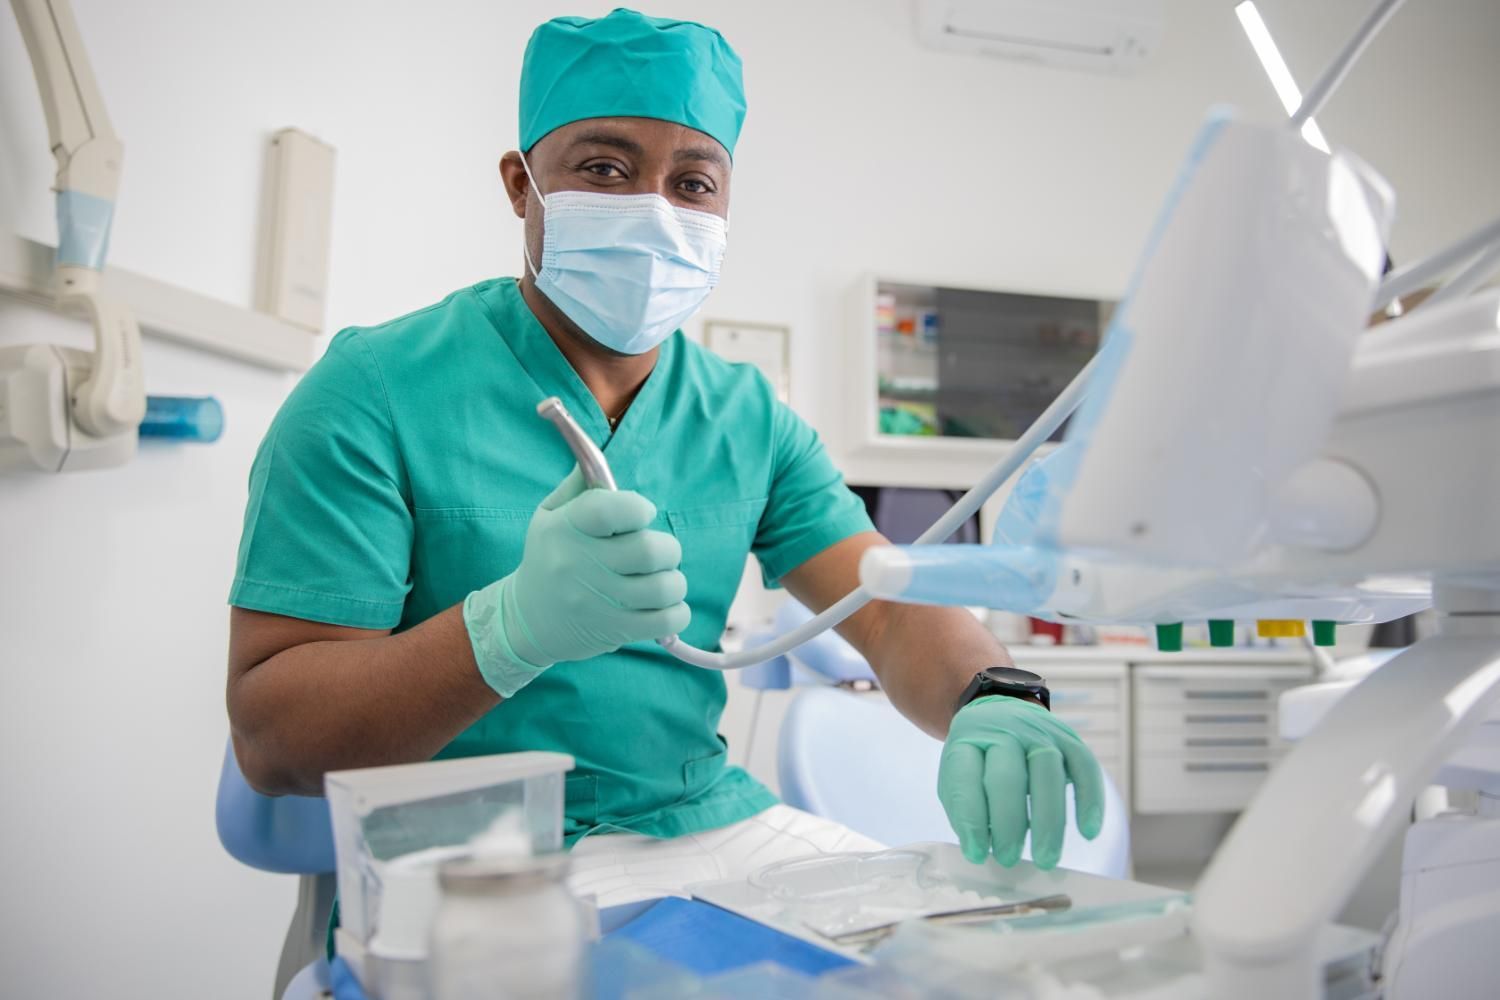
column 1014, row 675
column 1009, row 681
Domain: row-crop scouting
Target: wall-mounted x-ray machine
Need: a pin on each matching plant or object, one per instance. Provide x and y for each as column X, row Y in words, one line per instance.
column 65, row 409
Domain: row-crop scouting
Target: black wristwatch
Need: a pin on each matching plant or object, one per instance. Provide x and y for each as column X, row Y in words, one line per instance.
column 1009, row 681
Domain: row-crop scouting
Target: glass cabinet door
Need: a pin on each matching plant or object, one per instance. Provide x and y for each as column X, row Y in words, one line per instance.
column 960, row 363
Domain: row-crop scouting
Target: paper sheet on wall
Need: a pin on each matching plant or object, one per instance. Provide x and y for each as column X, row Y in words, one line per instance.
column 765, row 347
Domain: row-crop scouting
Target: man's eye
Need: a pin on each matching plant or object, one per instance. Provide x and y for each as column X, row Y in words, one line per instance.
column 604, row 170
column 695, row 187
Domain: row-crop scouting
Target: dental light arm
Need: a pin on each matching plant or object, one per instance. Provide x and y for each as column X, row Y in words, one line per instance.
column 1476, row 273
column 1481, row 243
column 111, row 400
column 1334, row 75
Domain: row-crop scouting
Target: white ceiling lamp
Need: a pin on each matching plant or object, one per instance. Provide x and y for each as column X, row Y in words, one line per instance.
column 1276, row 68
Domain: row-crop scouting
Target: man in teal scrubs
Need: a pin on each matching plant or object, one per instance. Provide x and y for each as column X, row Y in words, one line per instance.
column 421, row 575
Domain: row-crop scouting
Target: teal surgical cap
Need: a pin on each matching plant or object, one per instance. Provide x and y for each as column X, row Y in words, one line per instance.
column 630, row 65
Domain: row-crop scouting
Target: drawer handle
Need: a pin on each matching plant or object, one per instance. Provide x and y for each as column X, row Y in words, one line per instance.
column 1246, row 766
column 1261, row 718
column 1226, row 741
column 1226, row 695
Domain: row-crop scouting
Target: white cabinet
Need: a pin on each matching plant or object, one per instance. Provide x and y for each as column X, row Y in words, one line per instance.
column 1093, row 698
column 1206, row 736
column 1189, row 732
column 1178, row 733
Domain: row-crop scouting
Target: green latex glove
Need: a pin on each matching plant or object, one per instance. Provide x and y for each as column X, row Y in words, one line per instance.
column 592, row 578
column 1000, row 751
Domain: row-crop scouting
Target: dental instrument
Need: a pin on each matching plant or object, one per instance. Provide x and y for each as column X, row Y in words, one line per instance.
column 591, row 461
column 967, row 915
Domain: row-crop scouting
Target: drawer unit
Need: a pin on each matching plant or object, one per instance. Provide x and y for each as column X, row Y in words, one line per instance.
column 1090, row 722
column 1105, row 695
column 1119, row 772
column 1172, row 784
column 1111, row 745
column 1094, row 699
column 1215, row 689
column 1206, row 737
column 1165, row 744
column 1176, row 718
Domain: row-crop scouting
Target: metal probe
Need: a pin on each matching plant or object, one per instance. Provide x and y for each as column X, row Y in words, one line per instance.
column 591, row 461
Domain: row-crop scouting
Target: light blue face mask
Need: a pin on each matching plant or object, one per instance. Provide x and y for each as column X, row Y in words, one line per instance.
column 629, row 269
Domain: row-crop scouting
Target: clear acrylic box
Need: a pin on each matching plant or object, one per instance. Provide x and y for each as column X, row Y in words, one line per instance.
column 383, row 813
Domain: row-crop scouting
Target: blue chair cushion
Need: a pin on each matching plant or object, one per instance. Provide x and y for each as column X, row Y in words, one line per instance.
column 288, row 834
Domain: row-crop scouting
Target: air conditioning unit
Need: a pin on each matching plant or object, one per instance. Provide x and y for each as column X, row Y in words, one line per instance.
column 1102, row 36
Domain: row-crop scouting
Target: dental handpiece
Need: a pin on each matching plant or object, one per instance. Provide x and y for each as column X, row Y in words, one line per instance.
column 591, row 461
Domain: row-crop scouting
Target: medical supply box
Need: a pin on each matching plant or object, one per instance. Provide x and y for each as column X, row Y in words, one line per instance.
column 381, row 813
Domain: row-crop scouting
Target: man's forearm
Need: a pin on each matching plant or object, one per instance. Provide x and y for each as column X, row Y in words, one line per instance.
column 925, row 656
column 325, row 705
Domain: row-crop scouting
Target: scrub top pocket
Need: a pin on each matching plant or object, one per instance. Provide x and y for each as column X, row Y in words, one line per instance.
column 716, row 541
column 456, row 550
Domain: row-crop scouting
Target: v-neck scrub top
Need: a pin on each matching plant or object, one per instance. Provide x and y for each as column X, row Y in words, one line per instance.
column 401, row 474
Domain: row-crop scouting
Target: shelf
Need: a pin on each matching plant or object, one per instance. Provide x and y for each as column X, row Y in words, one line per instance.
column 908, row 395
column 166, row 311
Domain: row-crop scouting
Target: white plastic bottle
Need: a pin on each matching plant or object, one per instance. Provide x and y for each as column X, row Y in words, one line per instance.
column 507, row 929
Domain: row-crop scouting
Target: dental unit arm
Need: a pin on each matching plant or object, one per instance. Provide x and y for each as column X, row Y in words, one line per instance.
column 93, row 403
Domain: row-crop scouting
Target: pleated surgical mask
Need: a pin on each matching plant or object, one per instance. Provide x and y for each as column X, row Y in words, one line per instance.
column 629, row 269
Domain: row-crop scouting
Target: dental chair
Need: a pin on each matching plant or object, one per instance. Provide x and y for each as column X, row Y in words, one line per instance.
column 288, row 835
column 852, row 758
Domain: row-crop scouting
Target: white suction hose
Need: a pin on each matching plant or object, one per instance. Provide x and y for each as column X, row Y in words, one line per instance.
column 590, row 458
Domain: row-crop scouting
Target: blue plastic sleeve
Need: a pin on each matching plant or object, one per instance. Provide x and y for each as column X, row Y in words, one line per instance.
column 1017, row 578
column 83, row 223
column 183, row 418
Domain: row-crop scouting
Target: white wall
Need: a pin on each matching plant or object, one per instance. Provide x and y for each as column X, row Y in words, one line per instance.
column 862, row 152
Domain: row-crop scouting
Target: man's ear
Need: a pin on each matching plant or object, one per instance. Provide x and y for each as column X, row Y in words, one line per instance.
column 517, row 187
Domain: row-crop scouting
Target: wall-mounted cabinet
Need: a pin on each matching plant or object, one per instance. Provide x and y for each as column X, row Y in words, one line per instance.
column 951, row 375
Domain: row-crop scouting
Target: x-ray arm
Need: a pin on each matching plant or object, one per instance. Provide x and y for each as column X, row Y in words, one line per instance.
column 83, row 140
column 112, row 399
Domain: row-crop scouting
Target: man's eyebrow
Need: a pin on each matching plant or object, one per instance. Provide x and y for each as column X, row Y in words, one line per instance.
column 609, row 139
column 701, row 153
